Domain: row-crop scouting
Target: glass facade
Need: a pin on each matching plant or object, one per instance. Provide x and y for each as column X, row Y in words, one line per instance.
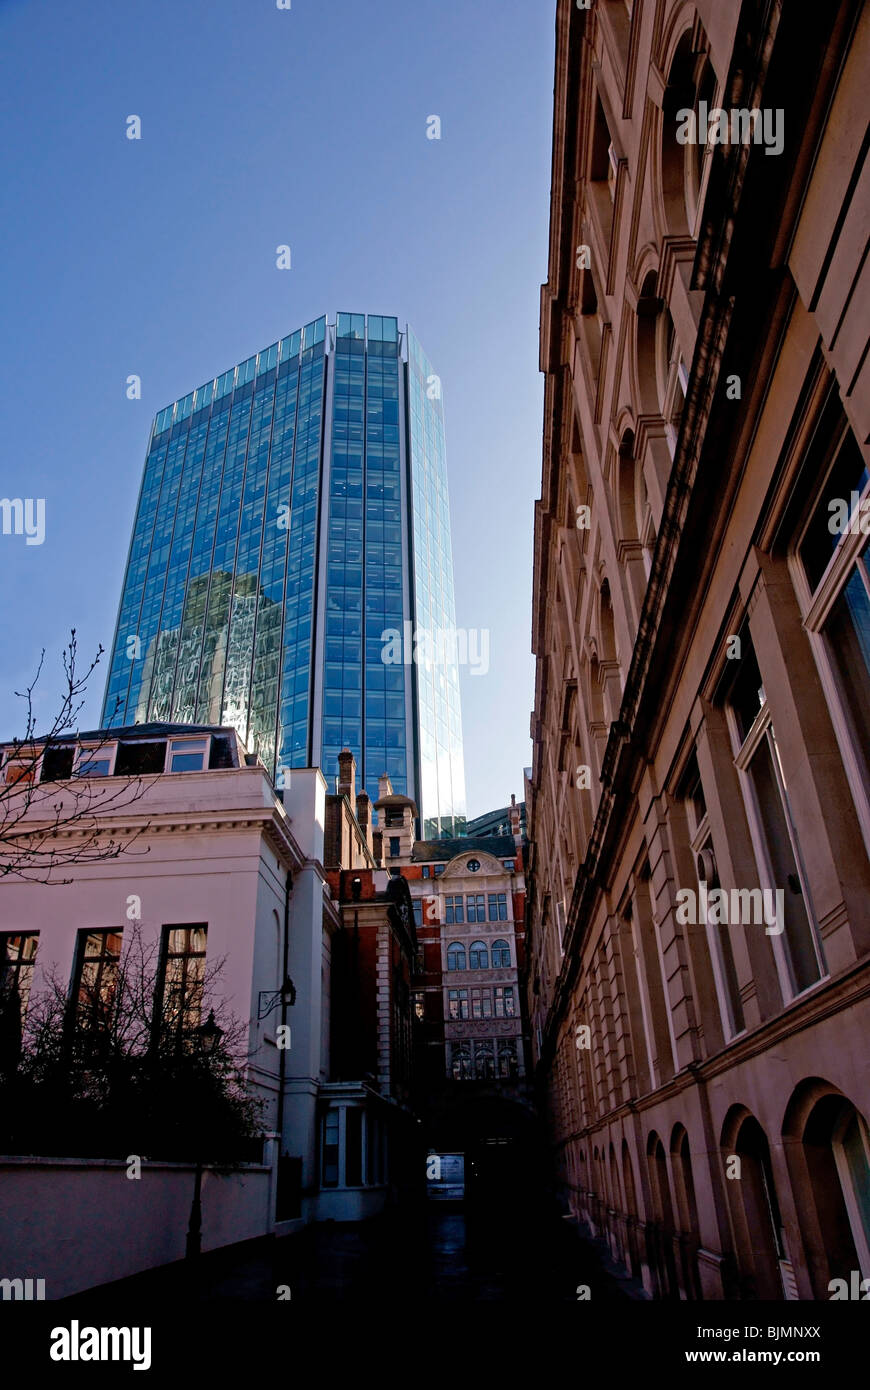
column 442, row 767
column 292, row 538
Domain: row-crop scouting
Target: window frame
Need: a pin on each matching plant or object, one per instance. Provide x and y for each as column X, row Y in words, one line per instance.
column 458, row 948
column 481, row 1002
column 504, row 995
column 856, row 1222
column 459, row 997
column 21, row 962
column 453, row 903
column 93, row 1021
column 762, row 730
column 500, row 943
column 475, row 903
column 701, row 837
column 175, row 747
column 163, row 1030
column 102, row 752
column 500, row 901
column 29, row 768
column 478, row 947
column 816, row 607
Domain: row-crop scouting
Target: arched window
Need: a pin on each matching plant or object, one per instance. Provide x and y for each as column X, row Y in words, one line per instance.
column 643, row 513
column 687, row 1211
column 757, row 1224
column 662, row 1232
column 455, row 956
column 850, row 1144
column 501, row 954
column 484, row 1064
column 461, row 1061
column 672, row 378
column 830, row 1172
column 631, row 1209
column 507, row 1059
column 691, row 81
column 478, row 956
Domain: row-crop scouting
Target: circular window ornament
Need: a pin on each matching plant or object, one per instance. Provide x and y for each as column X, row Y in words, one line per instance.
column 473, row 865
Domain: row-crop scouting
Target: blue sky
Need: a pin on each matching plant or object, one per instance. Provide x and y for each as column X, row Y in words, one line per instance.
column 262, row 127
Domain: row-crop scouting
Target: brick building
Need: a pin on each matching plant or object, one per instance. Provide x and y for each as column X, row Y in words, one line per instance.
column 471, row 1045
column 698, row 920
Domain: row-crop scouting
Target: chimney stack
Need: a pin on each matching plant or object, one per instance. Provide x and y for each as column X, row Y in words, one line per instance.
column 347, row 775
column 364, row 815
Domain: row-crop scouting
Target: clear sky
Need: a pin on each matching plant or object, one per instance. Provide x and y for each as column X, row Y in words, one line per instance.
column 263, row 127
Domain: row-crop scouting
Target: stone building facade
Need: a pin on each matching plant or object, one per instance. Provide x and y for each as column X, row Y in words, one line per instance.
column 698, row 917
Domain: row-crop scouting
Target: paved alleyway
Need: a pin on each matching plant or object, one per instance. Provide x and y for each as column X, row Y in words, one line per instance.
column 443, row 1253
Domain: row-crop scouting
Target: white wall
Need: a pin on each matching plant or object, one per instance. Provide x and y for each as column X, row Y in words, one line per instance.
column 79, row 1223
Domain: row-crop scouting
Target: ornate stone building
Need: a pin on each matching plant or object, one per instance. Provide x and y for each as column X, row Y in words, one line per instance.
column 698, row 917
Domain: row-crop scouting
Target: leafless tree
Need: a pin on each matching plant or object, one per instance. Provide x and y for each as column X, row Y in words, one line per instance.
column 47, row 826
column 119, row 1066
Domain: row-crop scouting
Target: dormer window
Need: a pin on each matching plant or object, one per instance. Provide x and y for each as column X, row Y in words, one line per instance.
column 57, row 763
column 19, row 770
column 187, row 754
column 95, row 762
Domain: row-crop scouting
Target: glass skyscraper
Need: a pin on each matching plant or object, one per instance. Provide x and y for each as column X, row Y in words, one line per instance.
column 290, row 553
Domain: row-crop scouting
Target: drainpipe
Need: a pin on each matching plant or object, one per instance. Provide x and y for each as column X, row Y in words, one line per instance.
column 282, row 1058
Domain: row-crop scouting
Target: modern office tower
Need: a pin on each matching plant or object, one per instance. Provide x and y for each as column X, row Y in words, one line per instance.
column 291, row 546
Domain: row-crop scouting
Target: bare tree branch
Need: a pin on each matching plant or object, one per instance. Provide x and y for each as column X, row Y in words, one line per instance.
column 46, row 827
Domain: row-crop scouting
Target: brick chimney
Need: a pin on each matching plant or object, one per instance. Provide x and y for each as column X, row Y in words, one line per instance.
column 347, row 775
column 364, row 815
column 385, row 786
column 514, row 815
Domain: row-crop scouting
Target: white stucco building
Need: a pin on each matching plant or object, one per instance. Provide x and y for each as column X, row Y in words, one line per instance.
column 216, row 866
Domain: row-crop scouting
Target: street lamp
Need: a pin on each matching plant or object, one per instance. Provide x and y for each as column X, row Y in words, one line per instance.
column 207, row 1036
column 270, row 999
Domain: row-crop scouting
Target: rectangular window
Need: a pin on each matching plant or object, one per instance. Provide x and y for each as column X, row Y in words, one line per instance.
column 95, row 977
column 847, row 639
column 187, row 754
column 140, row 759
column 475, row 906
column 394, row 846
column 353, row 1175
column 507, row 1059
column 20, row 770
column 830, row 565
column 96, row 762
column 57, row 764
column 797, row 946
column 418, row 912
column 504, row 1001
column 718, row 936
column 439, row 869
column 330, row 1149
column 183, row 975
column 458, row 1003
column 497, row 907
column 454, row 909
column 17, row 955
column 837, row 513
column 481, row 1003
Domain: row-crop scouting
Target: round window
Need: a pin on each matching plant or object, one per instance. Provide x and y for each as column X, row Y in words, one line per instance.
column 473, row 865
